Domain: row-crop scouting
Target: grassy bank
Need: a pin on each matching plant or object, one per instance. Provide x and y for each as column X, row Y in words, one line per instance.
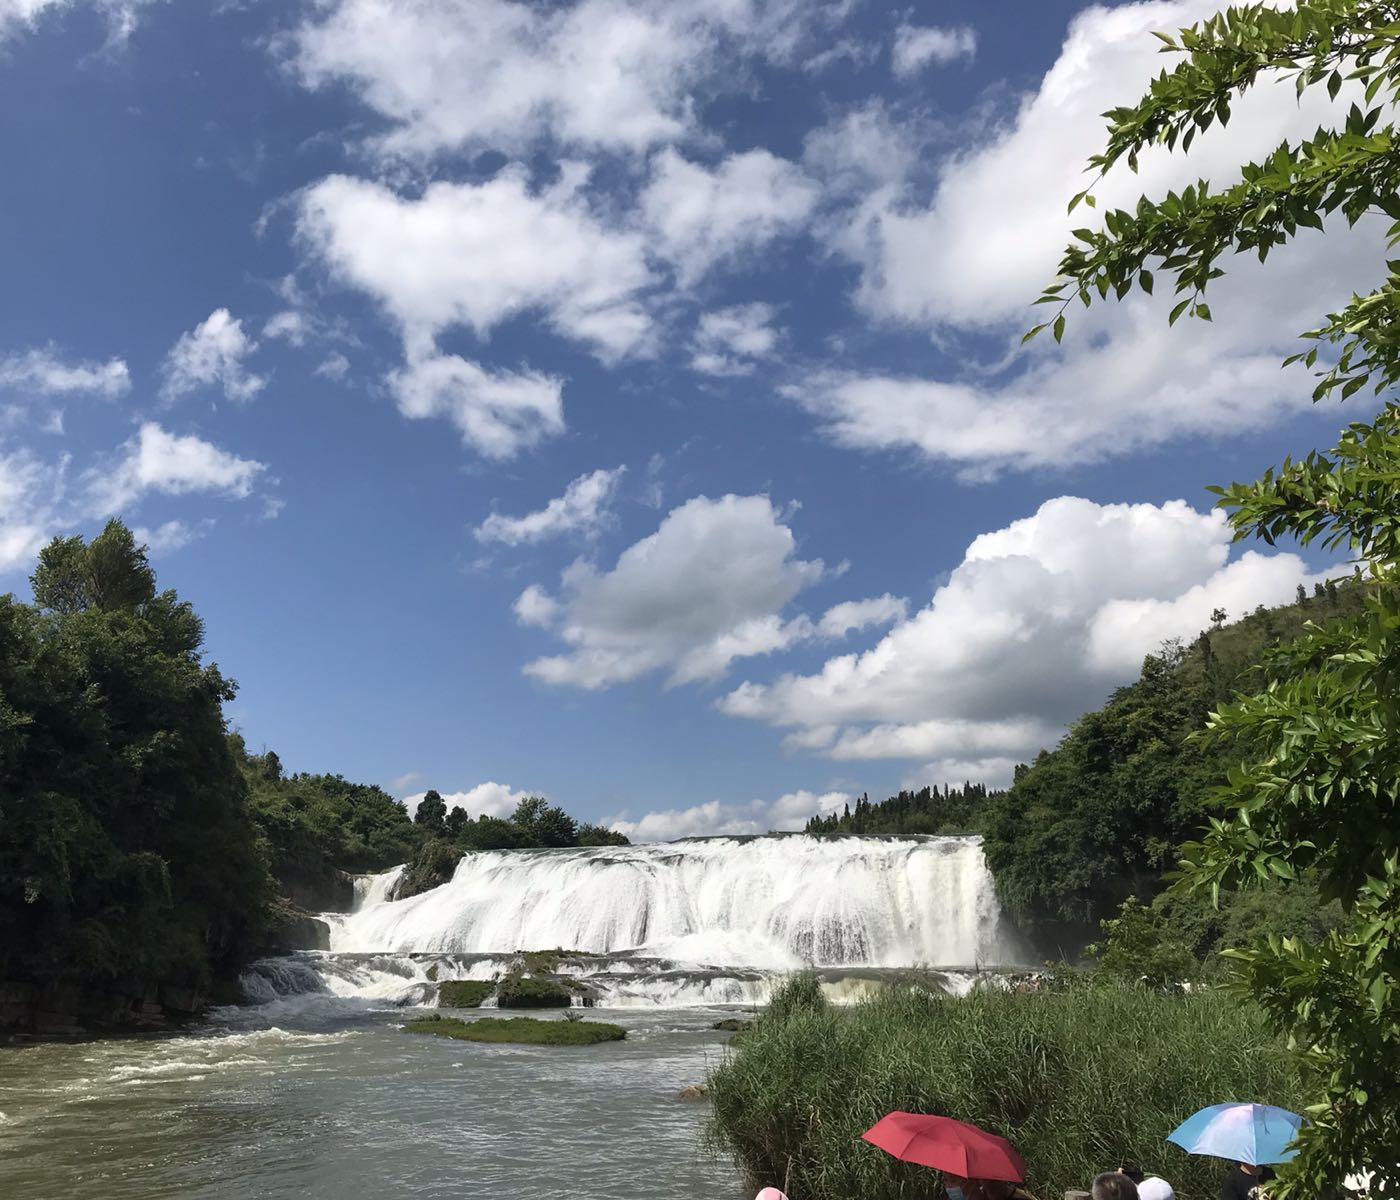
column 521, row 1030
column 1079, row 1080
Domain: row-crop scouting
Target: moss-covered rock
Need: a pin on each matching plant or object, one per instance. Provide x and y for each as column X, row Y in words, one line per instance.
column 527, row 991
column 545, row 962
column 464, row 993
column 520, row 1030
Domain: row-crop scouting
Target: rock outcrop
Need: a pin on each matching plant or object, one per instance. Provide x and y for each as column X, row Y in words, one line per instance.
column 74, row 1010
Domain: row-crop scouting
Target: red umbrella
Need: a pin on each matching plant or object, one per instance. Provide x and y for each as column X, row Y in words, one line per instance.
column 947, row 1145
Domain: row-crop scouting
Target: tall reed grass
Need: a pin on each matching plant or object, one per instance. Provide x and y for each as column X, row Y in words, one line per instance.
column 1080, row 1081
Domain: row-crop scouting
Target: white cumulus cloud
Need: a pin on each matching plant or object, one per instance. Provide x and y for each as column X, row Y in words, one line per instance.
column 474, row 255
column 29, row 492
column 731, row 341
column 916, row 46
column 1032, row 627
column 701, row 216
column 214, row 353
column 971, row 249
column 490, row 799
column 785, row 814
column 708, row 587
column 850, row 615
column 592, row 75
column 582, row 508
column 169, row 536
column 24, row 16
column 498, row 413
column 44, row 373
column 156, row 460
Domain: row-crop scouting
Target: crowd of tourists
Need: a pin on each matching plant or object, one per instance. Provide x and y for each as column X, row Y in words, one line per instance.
column 978, row 1165
column 1127, row 1182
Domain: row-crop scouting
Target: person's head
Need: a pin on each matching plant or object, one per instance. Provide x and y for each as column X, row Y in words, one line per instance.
column 771, row 1193
column 1154, row 1187
column 959, row 1188
column 1114, row 1185
column 1249, row 1168
column 1132, row 1172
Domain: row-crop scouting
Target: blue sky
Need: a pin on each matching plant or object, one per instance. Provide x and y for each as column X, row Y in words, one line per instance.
column 623, row 401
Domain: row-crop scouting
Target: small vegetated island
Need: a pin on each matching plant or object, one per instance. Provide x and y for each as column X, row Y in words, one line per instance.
column 528, row 1031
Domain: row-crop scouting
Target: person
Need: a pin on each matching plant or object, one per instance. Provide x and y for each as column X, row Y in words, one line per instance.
column 1242, row 1183
column 959, row 1188
column 771, row 1193
column 1113, row 1185
column 1154, row 1187
column 1149, row 1187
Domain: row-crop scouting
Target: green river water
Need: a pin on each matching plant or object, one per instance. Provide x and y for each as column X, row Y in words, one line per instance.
column 347, row 1106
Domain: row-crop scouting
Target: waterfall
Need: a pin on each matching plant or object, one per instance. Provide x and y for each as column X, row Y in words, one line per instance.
column 375, row 889
column 767, row 903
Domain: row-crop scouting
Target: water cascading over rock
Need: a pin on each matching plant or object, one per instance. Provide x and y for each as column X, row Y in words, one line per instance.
column 771, row 903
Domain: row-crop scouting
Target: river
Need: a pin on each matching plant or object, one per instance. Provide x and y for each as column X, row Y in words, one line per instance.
column 298, row 1100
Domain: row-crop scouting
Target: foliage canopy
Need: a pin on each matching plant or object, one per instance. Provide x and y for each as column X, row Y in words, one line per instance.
column 126, row 844
column 1317, row 785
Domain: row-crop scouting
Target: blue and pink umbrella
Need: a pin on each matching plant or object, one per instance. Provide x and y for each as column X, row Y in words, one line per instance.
column 1258, row 1134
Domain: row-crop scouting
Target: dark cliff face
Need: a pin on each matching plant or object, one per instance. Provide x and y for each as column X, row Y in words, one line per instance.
column 290, row 929
column 319, row 891
column 75, row 1010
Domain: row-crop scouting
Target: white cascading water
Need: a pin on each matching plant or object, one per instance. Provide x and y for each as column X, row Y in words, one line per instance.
column 375, row 889
column 711, row 921
column 771, row 903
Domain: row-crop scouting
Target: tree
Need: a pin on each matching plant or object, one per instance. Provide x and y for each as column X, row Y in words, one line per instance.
column 1317, row 789
column 126, row 844
column 431, row 815
column 110, row 572
column 600, row 835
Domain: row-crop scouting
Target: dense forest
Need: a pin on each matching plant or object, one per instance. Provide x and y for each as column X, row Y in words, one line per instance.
column 139, row 838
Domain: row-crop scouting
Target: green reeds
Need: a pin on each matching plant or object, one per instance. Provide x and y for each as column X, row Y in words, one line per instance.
column 1080, row 1080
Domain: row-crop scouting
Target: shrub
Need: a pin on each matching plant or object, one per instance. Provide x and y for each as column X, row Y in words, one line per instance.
column 464, row 993
column 523, row 991
column 1080, row 1080
column 521, row 1030
column 800, row 993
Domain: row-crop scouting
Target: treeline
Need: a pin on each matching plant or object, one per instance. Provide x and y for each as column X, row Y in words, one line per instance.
column 140, row 839
column 447, row 834
column 952, row 810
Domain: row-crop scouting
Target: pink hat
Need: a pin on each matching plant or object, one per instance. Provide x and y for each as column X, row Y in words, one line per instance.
column 770, row 1194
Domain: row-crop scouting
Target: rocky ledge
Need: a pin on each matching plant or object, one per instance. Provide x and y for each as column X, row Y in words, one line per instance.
column 75, row 1010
